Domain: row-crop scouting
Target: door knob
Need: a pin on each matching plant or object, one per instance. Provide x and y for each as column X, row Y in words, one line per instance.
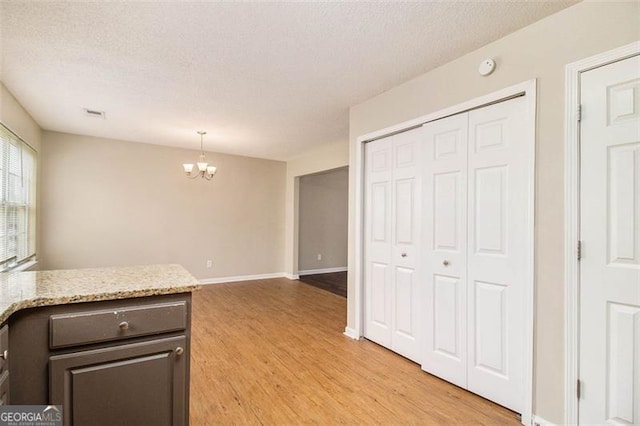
column 445, row 262
column 124, row 325
column 179, row 350
column 5, row 354
column 404, row 255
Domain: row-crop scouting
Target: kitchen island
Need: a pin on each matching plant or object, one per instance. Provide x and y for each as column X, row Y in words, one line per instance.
column 111, row 345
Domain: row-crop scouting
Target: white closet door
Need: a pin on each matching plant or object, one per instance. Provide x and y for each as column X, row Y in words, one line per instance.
column 392, row 234
column 378, row 267
column 496, row 257
column 445, row 247
column 405, row 253
column 610, row 232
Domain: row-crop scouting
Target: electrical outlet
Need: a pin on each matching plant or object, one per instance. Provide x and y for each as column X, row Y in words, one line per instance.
column 209, row 263
column 319, row 256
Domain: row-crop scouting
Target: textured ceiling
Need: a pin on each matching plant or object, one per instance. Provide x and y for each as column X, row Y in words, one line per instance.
column 265, row 79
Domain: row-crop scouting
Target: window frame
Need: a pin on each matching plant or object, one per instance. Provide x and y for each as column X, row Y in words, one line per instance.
column 12, row 263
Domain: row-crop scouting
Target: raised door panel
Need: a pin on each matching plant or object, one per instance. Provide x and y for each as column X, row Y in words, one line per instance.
column 139, row 383
column 405, row 294
column 623, row 236
column 623, row 366
column 497, row 251
column 444, row 254
column 490, row 343
column 404, row 223
column 490, row 211
column 379, row 212
column 380, row 295
column 447, row 232
column 406, row 332
column 446, row 318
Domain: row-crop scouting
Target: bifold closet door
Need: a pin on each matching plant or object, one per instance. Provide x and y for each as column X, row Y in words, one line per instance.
column 445, row 247
column 474, row 238
column 496, row 252
column 392, row 235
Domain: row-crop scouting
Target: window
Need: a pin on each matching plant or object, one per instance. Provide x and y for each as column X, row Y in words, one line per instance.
column 17, row 200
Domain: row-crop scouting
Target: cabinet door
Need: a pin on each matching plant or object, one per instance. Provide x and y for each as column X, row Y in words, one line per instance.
column 4, row 389
column 136, row 384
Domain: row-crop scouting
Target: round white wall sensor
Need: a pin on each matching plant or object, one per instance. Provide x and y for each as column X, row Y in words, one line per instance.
column 487, row 66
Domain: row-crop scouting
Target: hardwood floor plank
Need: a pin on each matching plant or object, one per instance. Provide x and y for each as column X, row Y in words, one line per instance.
column 272, row 352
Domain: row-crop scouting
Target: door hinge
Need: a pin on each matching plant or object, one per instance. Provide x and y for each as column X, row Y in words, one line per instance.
column 579, row 250
column 579, row 115
column 578, row 389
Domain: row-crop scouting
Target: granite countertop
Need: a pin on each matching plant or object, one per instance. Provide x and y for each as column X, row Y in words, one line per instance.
column 21, row 290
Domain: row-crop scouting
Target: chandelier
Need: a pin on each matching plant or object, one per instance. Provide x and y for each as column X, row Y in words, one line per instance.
column 205, row 171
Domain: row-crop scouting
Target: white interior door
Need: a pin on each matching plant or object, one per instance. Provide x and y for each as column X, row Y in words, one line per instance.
column 392, row 235
column 497, row 241
column 406, row 293
column 610, row 231
column 378, row 268
column 445, row 248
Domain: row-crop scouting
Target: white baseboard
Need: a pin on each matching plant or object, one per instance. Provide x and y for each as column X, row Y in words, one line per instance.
column 242, row 278
column 351, row 333
column 322, row 271
column 291, row 276
column 539, row 421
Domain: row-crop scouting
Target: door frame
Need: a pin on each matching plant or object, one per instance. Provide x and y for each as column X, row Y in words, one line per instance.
column 572, row 216
column 528, row 89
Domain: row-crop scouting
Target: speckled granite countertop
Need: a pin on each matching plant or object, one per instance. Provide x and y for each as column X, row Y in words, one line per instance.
column 21, row 290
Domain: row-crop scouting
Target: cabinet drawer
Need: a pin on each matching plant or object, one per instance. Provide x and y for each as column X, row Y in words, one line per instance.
column 87, row 327
column 4, row 349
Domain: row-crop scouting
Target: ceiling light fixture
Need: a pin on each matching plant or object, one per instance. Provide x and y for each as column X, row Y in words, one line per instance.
column 205, row 171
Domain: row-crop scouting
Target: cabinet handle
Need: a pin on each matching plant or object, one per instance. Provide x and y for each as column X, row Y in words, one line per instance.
column 179, row 350
column 5, row 354
column 404, row 255
column 124, row 325
column 445, row 262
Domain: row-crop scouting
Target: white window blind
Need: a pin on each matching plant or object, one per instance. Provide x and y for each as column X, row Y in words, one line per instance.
column 18, row 200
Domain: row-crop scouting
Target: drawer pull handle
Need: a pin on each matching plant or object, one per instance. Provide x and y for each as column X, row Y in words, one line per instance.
column 445, row 262
column 179, row 350
column 404, row 255
column 124, row 325
column 5, row 354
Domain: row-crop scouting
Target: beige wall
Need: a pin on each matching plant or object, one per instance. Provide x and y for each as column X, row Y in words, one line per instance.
column 109, row 202
column 322, row 217
column 327, row 157
column 16, row 118
column 539, row 51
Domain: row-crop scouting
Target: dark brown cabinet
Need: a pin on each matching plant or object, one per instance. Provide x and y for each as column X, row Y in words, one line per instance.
column 4, row 365
column 118, row 362
column 137, row 384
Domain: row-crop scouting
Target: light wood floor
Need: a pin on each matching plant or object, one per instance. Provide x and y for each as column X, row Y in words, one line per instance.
column 272, row 352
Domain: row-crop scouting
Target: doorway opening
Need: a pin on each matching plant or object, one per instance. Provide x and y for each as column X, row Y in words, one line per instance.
column 322, row 229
